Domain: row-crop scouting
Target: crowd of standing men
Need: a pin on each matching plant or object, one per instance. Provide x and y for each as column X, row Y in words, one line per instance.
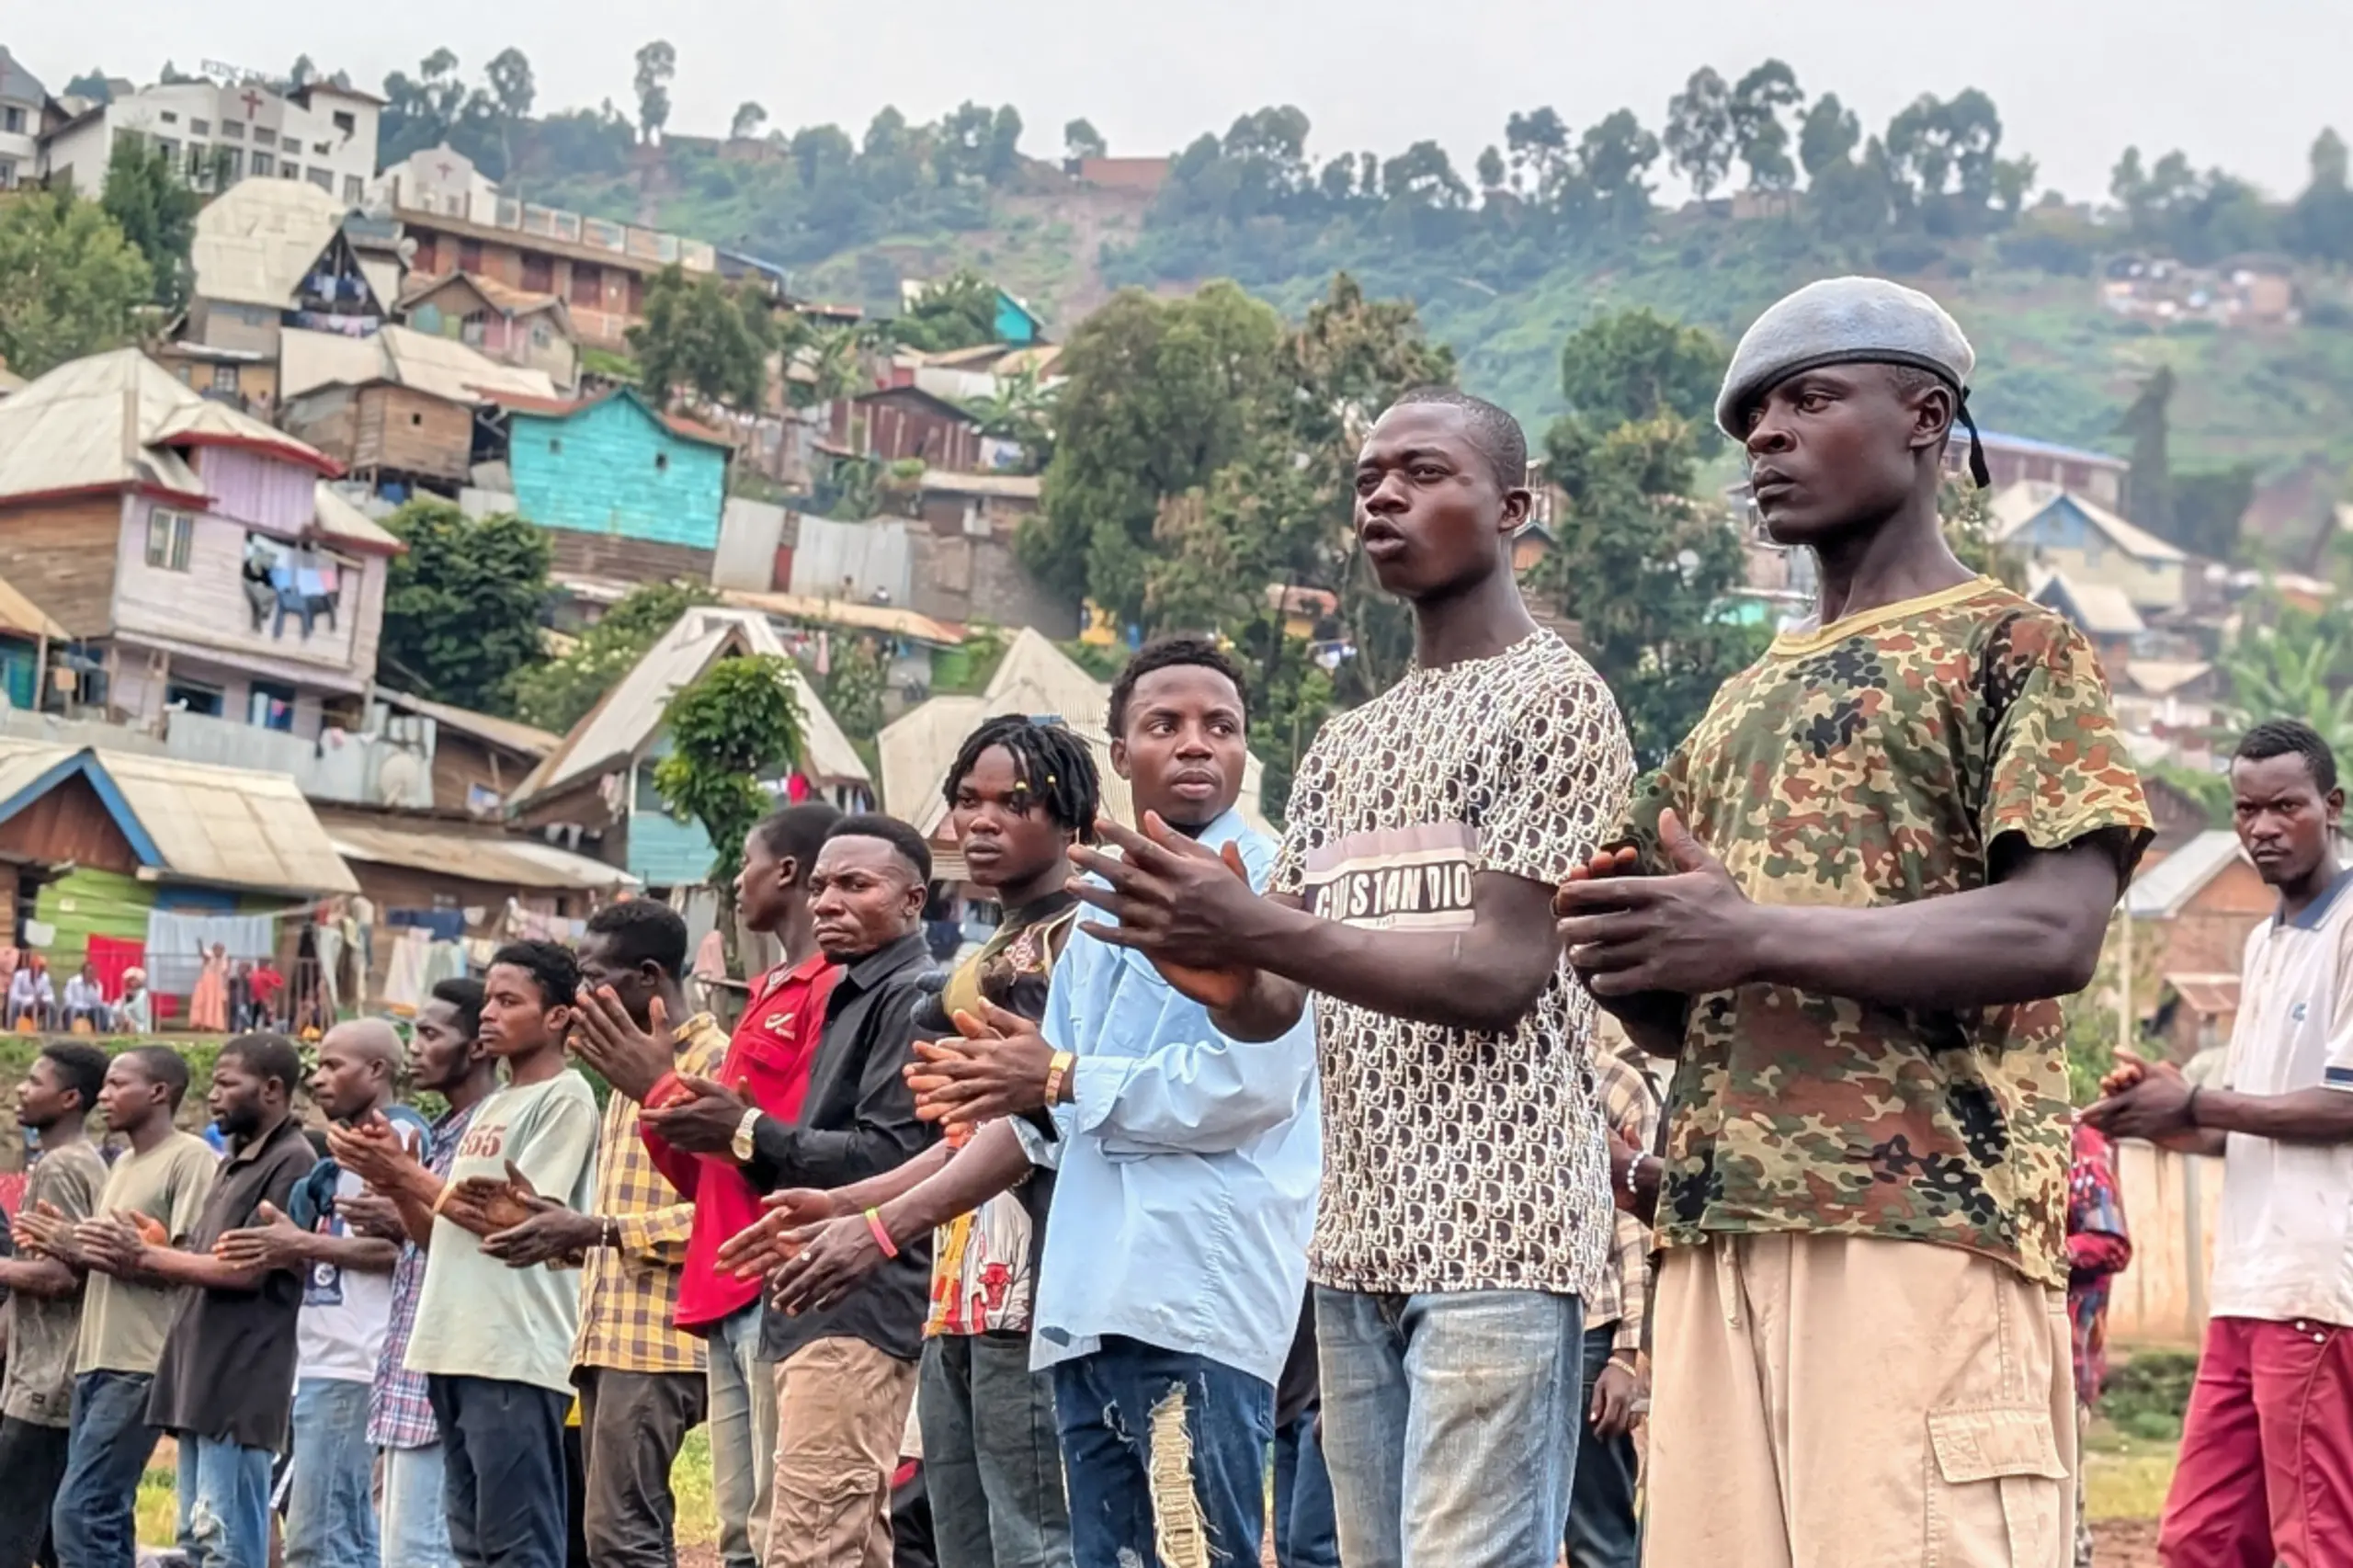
column 1220, row 1148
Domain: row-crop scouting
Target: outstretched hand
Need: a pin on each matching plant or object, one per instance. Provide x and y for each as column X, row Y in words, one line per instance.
column 1690, row 931
column 2142, row 1099
column 823, row 1263
column 996, row 1066
column 1184, row 906
column 274, row 1242
column 487, row 1205
column 761, row 1247
column 630, row 1059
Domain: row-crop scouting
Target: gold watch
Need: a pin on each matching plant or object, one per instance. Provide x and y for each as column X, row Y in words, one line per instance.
column 741, row 1145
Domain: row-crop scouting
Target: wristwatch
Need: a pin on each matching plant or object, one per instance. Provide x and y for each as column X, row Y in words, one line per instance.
column 741, row 1145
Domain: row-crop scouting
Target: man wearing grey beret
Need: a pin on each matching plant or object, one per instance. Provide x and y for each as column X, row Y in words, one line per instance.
column 1847, row 904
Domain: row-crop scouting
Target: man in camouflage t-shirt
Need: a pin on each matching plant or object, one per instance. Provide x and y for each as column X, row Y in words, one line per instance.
column 1874, row 864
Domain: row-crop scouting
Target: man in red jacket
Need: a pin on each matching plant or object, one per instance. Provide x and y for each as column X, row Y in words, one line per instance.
column 767, row 1064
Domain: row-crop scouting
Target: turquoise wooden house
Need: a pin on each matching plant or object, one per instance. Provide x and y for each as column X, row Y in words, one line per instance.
column 1017, row 324
column 627, row 493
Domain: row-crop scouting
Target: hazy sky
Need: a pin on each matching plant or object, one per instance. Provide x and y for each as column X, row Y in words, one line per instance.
column 2244, row 85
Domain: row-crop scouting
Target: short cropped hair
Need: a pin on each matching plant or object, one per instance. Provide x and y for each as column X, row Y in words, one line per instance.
column 270, row 1056
column 891, row 831
column 550, row 966
column 643, row 929
column 2279, row 737
column 1172, row 653
column 1493, row 430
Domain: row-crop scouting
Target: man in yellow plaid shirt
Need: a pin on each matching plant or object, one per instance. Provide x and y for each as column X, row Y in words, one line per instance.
column 641, row 1383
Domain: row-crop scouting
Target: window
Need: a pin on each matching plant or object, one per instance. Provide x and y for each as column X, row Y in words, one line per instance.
column 233, row 163
column 224, row 378
column 555, row 446
column 234, row 130
column 661, row 463
column 271, row 706
column 168, row 538
column 588, row 284
column 193, row 696
column 199, row 127
column 265, row 137
column 264, row 165
column 539, row 274
column 427, row 260
column 7, row 174
column 171, row 117
column 470, row 255
column 322, row 178
column 288, row 169
column 171, row 149
column 346, row 123
column 355, row 189
column 636, row 294
column 199, row 162
column 416, row 419
column 12, row 120
column 322, row 148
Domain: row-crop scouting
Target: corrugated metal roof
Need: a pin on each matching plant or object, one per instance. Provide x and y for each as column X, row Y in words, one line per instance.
column 843, row 612
column 2105, row 611
column 422, row 361
column 1035, row 678
column 2175, row 879
column 255, row 240
column 2209, row 995
column 339, row 519
column 114, row 419
column 629, row 716
column 2158, row 677
column 225, row 826
column 2030, row 446
column 478, row 857
column 512, row 734
column 19, row 613
column 2013, row 509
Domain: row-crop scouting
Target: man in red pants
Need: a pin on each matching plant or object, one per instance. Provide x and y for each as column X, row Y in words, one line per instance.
column 2266, row 1453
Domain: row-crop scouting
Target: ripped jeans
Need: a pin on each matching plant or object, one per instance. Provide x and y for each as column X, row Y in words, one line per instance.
column 1165, row 1457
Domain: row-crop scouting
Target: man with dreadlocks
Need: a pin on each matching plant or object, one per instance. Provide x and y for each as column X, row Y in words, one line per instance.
column 1170, row 1291
column 1019, row 794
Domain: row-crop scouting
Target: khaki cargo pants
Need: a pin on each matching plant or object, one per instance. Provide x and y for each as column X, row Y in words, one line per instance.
column 841, row 1409
column 1837, row 1401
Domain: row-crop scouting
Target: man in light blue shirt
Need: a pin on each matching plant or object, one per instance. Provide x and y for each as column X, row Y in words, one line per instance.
column 1175, row 1247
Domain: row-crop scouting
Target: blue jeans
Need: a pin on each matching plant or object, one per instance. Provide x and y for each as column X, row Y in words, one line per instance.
column 505, row 1478
column 1450, row 1425
column 330, row 1504
column 415, row 1523
column 1161, row 1442
column 992, row 1463
column 104, row 1458
column 742, row 1438
column 224, row 1502
column 1604, row 1531
column 1306, row 1534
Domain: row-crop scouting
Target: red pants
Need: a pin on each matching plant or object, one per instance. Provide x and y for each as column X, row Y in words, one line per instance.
column 2266, row 1451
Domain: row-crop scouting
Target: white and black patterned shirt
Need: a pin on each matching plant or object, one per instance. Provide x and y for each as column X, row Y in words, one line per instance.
column 1457, row 1159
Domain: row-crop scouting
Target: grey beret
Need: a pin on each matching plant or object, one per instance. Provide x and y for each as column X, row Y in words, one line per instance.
column 1843, row 321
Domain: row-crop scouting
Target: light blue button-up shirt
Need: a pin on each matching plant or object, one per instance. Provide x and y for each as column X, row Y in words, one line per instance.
column 1189, row 1164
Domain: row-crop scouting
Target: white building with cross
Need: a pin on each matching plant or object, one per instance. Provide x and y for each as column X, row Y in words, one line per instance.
column 218, row 135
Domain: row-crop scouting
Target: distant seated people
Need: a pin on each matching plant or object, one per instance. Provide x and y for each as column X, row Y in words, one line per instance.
column 32, row 997
column 135, row 1014
column 85, row 1003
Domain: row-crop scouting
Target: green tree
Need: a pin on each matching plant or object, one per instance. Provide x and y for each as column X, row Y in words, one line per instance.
column 855, row 681
column 70, row 283
column 958, row 312
column 1159, row 395
column 749, row 118
column 509, row 93
column 149, row 200
column 2147, row 422
column 2298, row 667
column 1081, row 140
column 1613, row 157
column 1020, row 410
column 1646, row 573
column 555, row 693
column 1759, row 100
column 740, row 723
column 462, row 603
column 2092, row 1015
column 1636, row 363
column 2322, row 222
column 1828, row 136
column 657, row 66
column 704, row 337
column 1700, row 135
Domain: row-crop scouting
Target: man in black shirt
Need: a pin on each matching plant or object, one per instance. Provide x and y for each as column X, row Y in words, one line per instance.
column 225, row 1386
column 845, row 1375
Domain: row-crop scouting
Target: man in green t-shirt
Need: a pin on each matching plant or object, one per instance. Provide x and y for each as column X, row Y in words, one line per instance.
column 1867, row 875
column 44, row 1306
column 160, row 1184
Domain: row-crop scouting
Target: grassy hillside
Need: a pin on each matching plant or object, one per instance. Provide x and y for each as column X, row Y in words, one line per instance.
column 2054, row 362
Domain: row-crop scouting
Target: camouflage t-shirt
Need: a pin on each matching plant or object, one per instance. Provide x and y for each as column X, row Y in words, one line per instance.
column 1877, row 761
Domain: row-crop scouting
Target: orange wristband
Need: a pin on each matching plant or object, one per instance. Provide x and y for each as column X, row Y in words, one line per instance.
column 881, row 1236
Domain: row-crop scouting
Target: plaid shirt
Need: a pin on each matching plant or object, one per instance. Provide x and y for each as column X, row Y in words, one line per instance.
column 399, row 1417
column 1629, row 1107
column 628, row 1294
